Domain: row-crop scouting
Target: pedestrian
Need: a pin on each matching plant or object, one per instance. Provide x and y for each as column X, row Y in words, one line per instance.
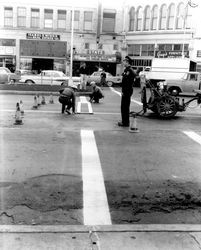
column 128, row 77
column 83, row 76
column 67, row 99
column 103, row 79
column 96, row 94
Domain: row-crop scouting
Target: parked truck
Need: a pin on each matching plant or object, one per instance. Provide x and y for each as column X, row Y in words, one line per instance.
column 169, row 68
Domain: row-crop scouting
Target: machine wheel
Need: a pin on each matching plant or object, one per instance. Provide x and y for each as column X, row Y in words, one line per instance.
column 166, row 107
column 174, row 91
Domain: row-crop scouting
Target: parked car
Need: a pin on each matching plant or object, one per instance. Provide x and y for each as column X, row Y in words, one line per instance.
column 110, row 79
column 187, row 84
column 49, row 77
column 6, row 76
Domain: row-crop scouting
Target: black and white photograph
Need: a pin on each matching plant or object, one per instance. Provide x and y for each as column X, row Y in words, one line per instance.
column 100, row 125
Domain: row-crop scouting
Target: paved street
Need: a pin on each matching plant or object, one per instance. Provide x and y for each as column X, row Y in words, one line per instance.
column 59, row 169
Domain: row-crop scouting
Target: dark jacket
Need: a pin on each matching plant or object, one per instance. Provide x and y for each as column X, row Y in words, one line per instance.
column 69, row 94
column 128, row 77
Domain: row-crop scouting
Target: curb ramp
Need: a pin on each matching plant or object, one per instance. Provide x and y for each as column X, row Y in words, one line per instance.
column 111, row 237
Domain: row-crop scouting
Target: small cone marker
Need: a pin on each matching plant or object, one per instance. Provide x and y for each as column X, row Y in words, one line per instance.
column 133, row 128
column 35, row 105
column 18, row 118
column 51, row 99
column 21, row 107
column 43, row 100
column 38, row 100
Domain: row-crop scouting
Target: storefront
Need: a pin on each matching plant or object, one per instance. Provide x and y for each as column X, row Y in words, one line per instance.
column 8, row 53
column 42, row 51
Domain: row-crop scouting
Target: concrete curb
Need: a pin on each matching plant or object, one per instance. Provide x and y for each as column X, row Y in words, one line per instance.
column 15, row 92
column 109, row 228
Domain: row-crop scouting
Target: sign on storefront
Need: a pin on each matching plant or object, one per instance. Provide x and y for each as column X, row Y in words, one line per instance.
column 170, row 54
column 40, row 36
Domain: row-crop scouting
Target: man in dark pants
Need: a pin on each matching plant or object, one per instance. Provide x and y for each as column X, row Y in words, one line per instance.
column 128, row 77
column 67, row 99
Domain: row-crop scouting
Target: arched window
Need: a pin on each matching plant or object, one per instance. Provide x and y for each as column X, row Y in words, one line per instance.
column 163, row 17
column 147, row 18
column 180, row 16
column 154, row 18
column 139, row 19
column 188, row 22
column 170, row 21
column 131, row 19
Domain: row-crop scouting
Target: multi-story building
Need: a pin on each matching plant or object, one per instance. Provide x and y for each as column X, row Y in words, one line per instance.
column 38, row 35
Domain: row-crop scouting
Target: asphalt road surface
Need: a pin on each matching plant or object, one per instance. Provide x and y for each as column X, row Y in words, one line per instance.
column 84, row 169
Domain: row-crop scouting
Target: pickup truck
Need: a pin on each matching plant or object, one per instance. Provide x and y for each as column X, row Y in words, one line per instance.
column 186, row 85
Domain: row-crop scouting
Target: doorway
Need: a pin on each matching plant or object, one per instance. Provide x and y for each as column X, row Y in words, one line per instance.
column 39, row 64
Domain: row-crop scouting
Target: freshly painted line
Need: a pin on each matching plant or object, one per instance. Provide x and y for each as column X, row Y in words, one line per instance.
column 95, row 208
column 78, row 107
column 84, row 100
column 132, row 100
column 194, row 136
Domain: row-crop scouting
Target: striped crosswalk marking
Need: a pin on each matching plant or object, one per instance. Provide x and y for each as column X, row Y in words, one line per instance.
column 95, row 203
column 194, row 136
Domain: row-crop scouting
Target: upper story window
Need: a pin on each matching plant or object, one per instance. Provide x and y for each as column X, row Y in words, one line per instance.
column 131, row 19
column 170, row 20
column 8, row 16
column 21, row 17
column 35, row 18
column 154, row 18
column 48, row 18
column 147, row 18
column 86, row 45
column 139, row 19
column 188, row 16
column 163, row 17
column 109, row 21
column 180, row 16
column 76, row 19
column 61, row 19
column 88, row 15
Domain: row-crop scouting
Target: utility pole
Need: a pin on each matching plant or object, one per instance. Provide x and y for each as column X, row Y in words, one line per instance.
column 71, row 47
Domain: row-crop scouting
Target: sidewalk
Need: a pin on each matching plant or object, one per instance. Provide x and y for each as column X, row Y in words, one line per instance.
column 122, row 237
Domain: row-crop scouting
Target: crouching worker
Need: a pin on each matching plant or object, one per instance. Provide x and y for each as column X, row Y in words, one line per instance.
column 96, row 94
column 67, row 99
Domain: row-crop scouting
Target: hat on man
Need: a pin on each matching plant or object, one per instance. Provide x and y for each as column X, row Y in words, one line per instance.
column 73, row 86
column 92, row 83
column 128, row 59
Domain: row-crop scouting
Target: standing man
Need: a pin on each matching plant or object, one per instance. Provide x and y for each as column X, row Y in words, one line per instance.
column 83, row 75
column 67, row 99
column 128, row 77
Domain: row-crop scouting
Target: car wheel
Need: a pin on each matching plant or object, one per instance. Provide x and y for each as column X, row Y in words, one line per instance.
column 29, row 82
column 109, row 84
column 174, row 91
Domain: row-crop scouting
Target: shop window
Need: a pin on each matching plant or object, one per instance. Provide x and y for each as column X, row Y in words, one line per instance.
column 109, row 21
column 8, row 17
column 7, row 42
column 61, row 19
column 163, row 17
column 35, row 18
column 170, row 21
column 177, row 47
column 136, row 50
column 48, row 19
column 21, row 17
column 154, row 18
column 131, row 19
column 180, row 15
column 139, row 19
column 88, row 20
column 147, row 18
column 115, row 47
column 147, row 50
column 86, row 45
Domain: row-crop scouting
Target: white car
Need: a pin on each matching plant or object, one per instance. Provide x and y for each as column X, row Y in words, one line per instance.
column 48, row 77
column 110, row 79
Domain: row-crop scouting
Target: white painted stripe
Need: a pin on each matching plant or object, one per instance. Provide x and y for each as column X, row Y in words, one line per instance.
column 84, row 100
column 194, row 136
column 78, row 107
column 132, row 100
column 95, row 208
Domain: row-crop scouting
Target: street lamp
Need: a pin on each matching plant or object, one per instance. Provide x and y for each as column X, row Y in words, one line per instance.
column 71, row 47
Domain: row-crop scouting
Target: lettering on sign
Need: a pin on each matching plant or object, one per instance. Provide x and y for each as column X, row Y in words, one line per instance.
column 40, row 36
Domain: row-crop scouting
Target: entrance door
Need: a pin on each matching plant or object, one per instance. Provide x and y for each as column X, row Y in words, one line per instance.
column 39, row 64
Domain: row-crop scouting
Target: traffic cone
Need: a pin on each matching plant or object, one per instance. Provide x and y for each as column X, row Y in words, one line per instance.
column 18, row 117
column 35, row 105
column 133, row 127
column 38, row 100
column 43, row 100
column 21, row 108
column 51, row 99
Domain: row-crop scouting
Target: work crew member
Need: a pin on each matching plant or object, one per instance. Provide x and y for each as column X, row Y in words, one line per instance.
column 128, row 77
column 67, row 99
column 96, row 94
column 83, row 76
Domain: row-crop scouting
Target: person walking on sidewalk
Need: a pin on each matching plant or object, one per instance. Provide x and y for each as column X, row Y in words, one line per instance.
column 67, row 99
column 128, row 77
